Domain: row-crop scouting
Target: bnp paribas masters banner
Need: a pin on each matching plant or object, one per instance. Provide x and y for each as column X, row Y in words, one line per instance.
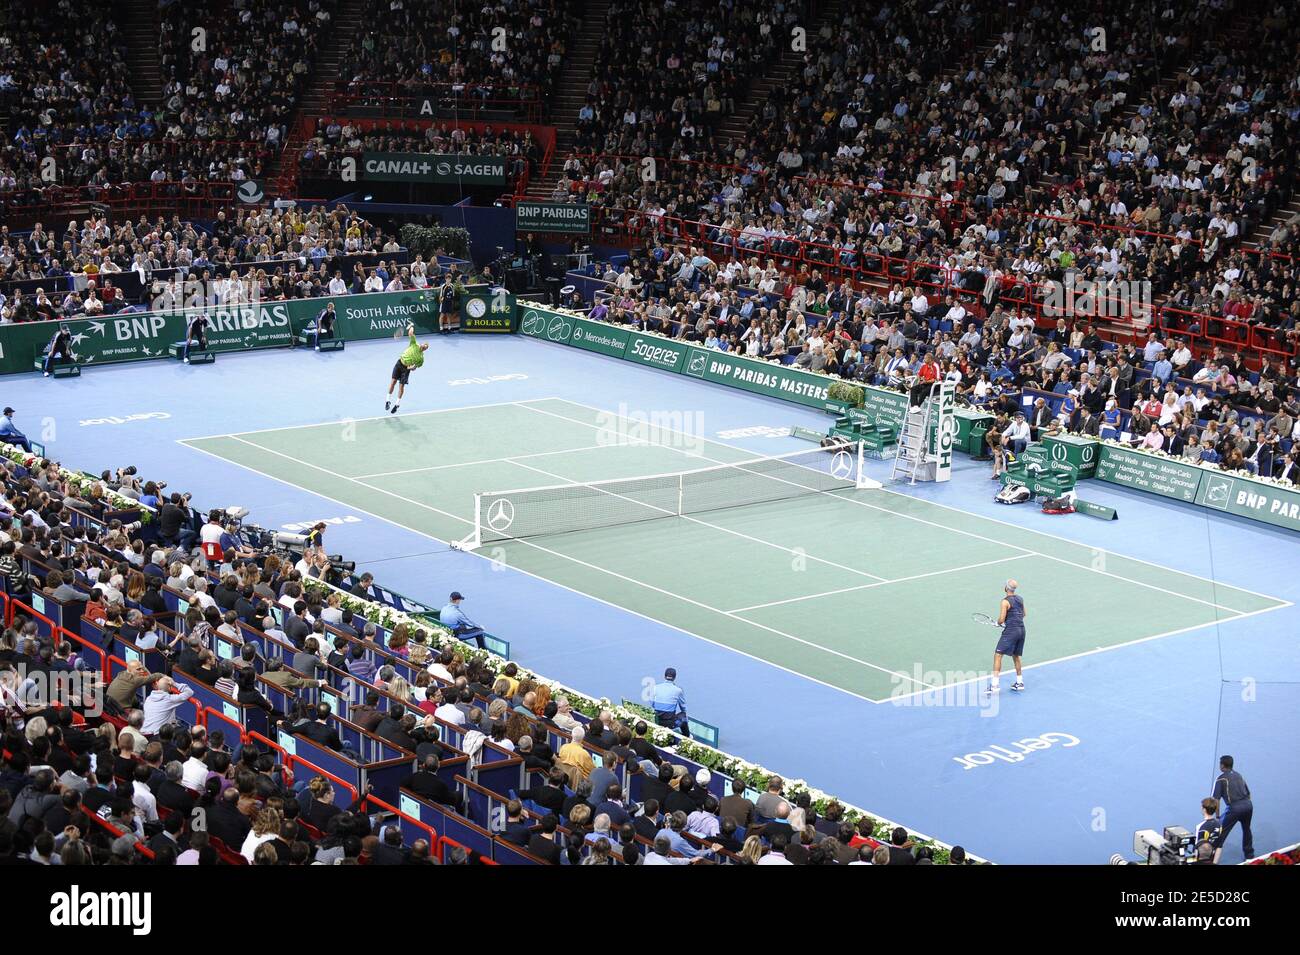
column 143, row 335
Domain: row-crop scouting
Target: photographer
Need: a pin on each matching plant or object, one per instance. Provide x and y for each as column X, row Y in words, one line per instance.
column 174, row 525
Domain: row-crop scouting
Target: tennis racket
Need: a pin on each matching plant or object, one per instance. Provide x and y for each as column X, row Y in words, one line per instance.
column 985, row 619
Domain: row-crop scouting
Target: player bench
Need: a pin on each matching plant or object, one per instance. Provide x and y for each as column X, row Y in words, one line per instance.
column 196, row 357
column 1043, row 476
column 857, row 425
column 60, row 369
column 305, row 339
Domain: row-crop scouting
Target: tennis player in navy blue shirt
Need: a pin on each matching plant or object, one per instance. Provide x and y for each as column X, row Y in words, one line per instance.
column 1011, row 616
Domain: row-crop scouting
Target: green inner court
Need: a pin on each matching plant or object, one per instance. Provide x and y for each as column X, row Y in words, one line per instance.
column 867, row 591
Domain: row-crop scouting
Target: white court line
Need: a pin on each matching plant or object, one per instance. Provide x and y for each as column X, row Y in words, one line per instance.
column 883, row 583
column 465, row 464
column 1089, row 653
column 547, row 550
column 991, row 540
column 347, row 421
column 717, row 527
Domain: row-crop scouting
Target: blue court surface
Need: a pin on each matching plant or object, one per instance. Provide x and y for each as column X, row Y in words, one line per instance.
column 1164, row 639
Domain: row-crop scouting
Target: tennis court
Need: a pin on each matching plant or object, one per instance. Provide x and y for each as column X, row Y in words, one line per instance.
column 865, row 590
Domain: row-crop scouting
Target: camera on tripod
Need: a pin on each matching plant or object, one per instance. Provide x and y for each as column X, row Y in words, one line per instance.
column 1174, row 846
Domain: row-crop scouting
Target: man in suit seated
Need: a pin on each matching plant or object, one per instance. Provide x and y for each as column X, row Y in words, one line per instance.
column 550, row 794
column 543, row 842
column 226, row 822
column 172, row 794
column 367, row 715
column 426, row 783
column 318, row 730
column 388, row 850
column 517, row 830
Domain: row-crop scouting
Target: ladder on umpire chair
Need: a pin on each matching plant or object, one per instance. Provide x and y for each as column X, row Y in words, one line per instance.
column 912, row 458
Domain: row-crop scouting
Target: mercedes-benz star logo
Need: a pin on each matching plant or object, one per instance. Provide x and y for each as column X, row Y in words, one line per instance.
column 841, row 465
column 500, row 515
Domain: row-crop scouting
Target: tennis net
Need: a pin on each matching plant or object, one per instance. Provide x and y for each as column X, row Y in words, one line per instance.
column 562, row 508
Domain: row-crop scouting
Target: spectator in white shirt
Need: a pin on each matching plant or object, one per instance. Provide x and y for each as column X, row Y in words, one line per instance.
column 194, row 771
column 450, row 713
column 141, row 797
column 1018, row 434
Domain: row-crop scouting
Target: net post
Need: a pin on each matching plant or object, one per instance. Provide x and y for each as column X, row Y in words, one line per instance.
column 473, row 541
column 861, row 481
column 478, row 520
column 681, row 493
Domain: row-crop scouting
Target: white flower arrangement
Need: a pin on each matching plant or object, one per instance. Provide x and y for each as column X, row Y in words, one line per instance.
column 82, row 482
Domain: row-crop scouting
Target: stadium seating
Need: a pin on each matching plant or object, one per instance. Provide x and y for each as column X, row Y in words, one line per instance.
column 890, row 191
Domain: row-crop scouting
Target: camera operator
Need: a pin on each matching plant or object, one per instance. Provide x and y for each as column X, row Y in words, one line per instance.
column 233, row 547
column 174, row 525
column 319, row 565
column 124, row 482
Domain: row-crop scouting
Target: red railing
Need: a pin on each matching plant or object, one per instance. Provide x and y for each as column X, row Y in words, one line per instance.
column 236, row 726
column 435, row 849
column 13, row 605
column 289, row 760
column 194, row 200
column 444, row 842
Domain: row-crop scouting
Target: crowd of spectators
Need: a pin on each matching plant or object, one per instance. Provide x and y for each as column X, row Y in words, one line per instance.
column 233, row 73
column 113, row 771
column 667, row 73
column 63, row 86
column 889, row 337
column 1053, row 151
column 253, row 254
column 508, row 50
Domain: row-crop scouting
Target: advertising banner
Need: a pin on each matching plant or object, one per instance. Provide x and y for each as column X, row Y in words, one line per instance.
column 567, row 218
column 434, row 168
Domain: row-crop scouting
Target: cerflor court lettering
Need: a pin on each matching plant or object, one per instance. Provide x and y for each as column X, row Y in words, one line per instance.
column 1016, row 752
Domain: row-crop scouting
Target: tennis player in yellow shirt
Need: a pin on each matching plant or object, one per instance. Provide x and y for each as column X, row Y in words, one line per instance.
column 412, row 358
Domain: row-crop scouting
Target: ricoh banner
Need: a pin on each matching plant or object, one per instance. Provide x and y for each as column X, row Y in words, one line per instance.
column 434, row 169
column 946, row 433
